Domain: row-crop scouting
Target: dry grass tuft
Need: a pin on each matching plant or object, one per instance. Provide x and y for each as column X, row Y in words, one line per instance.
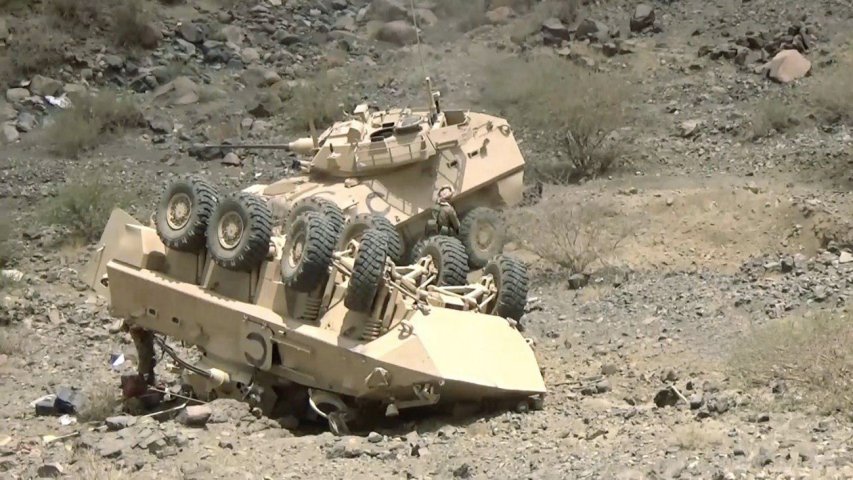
column 102, row 400
column 581, row 108
column 10, row 342
column 84, row 207
column 6, row 249
column 832, row 95
column 87, row 464
column 810, row 355
column 129, row 21
column 696, row 436
column 90, row 121
column 574, row 237
column 774, row 115
column 465, row 16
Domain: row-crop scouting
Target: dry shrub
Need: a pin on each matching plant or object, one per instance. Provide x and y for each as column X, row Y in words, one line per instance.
column 13, row 6
column 90, row 121
column 832, row 95
column 466, row 15
column 87, row 464
column 580, row 108
column 696, row 436
column 84, row 207
column 84, row 14
column 319, row 100
column 6, row 249
column 129, row 20
column 10, row 341
column 102, row 400
column 34, row 48
column 774, row 114
column 811, row 355
column 573, row 237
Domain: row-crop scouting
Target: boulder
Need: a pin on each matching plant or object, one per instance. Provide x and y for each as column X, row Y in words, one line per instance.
column 500, row 15
column 787, row 66
column 150, row 36
column 554, row 28
column 17, row 95
column 643, row 18
column 43, row 86
column 10, row 133
column 592, row 30
column 192, row 32
column 397, row 32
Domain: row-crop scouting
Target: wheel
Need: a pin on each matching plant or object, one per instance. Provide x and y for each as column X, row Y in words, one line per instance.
column 324, row 206
column 307, row 252
column 417, row 251
column 448, row 256
column 238, row 234
column 367, row 271
column 482, row 232
column 512, row 283
column 356, row 226
column 183, row 212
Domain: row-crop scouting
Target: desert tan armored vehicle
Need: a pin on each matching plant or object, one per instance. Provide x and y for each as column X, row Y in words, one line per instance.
column 301, row 321
column 383, row 168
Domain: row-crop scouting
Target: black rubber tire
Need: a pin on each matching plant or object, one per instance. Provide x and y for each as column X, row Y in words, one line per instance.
column 367, row 271
column 324, row 206
column 254, row 244
column 448, row 255
column 317, row 237
column 469, row 225
column 358, row 224
column 417, row 251
column 512, row 283
column 203, row 200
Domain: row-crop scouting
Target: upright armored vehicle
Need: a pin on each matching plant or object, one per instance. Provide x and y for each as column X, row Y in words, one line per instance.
column 382, row 169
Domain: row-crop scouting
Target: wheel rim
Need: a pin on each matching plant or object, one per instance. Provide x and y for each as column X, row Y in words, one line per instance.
column 178, row 212
column 230, row 230
column 294, row 256
column 484, row 236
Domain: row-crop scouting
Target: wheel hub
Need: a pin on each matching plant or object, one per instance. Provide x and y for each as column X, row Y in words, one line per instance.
column 484, row 236
column 178, row 211
column 296, row 252
column 230, row 230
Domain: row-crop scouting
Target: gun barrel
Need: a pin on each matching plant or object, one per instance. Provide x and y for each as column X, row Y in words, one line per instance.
column 261, row 146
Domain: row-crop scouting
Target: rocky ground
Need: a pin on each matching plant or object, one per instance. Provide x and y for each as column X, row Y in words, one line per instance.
column 710, row 341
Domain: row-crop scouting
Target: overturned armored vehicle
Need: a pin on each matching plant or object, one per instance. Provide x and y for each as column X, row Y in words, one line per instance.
column 304, row 322
column 383, row 168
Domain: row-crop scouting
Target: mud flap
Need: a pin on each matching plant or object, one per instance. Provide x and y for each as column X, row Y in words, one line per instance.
column 94, row 273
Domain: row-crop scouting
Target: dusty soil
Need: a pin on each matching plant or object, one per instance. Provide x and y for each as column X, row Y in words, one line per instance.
column 721, row 234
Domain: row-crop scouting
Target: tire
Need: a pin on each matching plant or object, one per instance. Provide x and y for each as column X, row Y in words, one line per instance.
column 245, row 248
column 367, row 271
column 358, row 224
column 324, row 206
column 448, row 255
column 512, row 283
column 307, row 252
column 417, row 251
column 482, row 232
column 183, row 213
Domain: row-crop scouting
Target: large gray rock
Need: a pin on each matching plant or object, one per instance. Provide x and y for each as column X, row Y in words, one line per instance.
column 17, row 95
column 398, row 32
column 592, row 30
column 192, row 32
column 150, row 36
column 389, row 10
column 787, row 66
column 644, row 17
column 4, row 30
column 45, row 86
column 553, row 27
column 10, row 133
